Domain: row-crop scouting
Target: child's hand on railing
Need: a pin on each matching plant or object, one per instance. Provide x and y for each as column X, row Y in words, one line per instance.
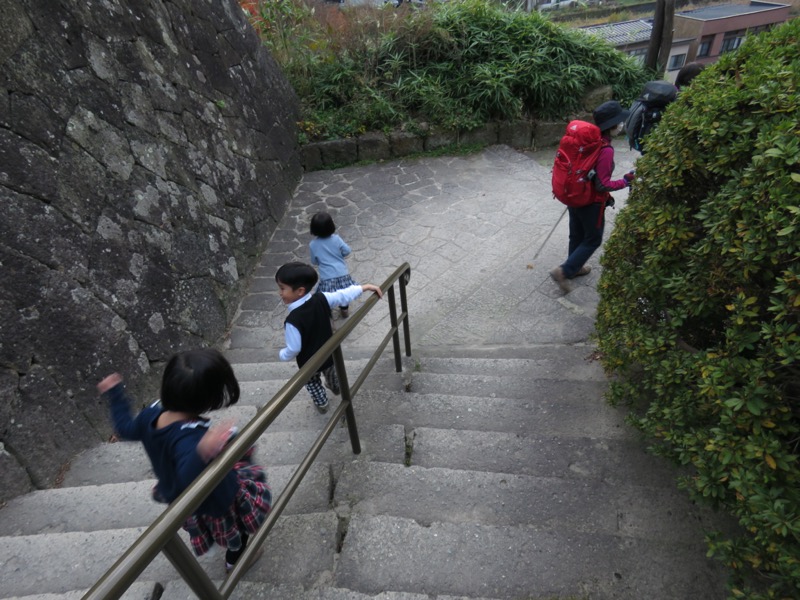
column 368, row 287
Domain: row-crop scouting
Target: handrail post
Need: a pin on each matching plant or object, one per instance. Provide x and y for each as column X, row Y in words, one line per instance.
column 404, row 309
column 191, row 571
column 398, row 362
column 344, row 385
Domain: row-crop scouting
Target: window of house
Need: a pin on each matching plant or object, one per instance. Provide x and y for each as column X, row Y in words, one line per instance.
column 676, row 62
column 732, row 41
column 639, row 54
column 705, row 47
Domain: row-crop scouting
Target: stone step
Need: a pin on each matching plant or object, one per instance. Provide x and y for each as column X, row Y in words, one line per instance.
column 126, row 461
column 298, row 549
column 267, row 354
column 126, row 505
column 564, row 363
column 585, row 412
column 259, row 393
column 138, row 591
column 582, row 413
column 612, row 461
column 521, row 386
column 279, row 370
column 391, row 553
column 248, row 590
column 431, row 495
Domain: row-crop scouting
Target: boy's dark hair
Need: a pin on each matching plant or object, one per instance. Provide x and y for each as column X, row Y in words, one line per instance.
column 197, row 381
column 297, row 275
column 322, row 225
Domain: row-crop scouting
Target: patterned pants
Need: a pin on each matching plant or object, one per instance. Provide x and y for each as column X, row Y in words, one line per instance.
column 314, row 385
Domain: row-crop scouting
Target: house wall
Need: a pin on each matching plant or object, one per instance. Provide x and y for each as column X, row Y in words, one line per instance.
column 686, row 27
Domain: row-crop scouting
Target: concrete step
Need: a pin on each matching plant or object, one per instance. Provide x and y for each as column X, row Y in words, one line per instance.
column 266, row 355
column 299, row 548
column 249, row 590
column 530, row 386
column 580, row 414
column 140, row 590
column 519, row 562
column 279, row 370
column 612, row 461
column 431, row 495
column 259, row 393
column 126, row 461
column 564, row 363
column 126, row 505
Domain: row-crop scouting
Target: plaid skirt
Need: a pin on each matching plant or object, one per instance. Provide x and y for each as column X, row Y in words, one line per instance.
column 249, row 510
column 337, row 283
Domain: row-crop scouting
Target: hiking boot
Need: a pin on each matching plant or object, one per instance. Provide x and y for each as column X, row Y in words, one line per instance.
column 558, row 276
column 584, row 270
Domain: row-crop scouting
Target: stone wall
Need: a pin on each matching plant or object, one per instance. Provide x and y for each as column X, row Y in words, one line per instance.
column 147, row 150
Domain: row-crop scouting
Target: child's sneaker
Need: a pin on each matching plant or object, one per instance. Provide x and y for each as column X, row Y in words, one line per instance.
column 331, row 380
column 322, row 408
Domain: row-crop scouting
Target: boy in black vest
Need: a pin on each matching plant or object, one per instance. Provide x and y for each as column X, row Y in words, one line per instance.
column 308, row 325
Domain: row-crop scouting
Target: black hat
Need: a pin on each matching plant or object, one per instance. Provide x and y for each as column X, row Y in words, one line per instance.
column 609, row 114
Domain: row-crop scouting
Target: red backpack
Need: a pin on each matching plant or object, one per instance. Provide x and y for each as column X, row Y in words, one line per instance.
column 576, row 158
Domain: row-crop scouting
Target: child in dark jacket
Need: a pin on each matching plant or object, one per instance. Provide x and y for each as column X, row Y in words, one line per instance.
column 180, row 442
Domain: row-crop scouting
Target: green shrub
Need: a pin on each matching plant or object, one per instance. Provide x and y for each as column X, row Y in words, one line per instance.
column 452, row 64
column 700, row 301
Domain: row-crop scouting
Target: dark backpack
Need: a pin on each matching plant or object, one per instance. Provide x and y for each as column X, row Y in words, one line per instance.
column 647, row 110
column 576, row 158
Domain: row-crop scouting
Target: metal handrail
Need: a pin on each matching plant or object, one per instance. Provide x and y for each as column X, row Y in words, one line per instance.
column 162, row 535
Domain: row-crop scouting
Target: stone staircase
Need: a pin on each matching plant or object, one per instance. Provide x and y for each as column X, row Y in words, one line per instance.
column 492, row 472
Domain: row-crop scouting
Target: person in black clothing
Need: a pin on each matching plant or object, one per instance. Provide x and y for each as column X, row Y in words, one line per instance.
column 308, row 325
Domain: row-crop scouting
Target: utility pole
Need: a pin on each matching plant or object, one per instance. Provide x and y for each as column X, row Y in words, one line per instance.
column 661, row 36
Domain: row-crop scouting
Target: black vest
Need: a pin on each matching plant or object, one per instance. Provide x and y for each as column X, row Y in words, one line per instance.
column 313, row 320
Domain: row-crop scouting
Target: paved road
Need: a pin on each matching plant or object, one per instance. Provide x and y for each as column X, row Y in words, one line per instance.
column 481, row 233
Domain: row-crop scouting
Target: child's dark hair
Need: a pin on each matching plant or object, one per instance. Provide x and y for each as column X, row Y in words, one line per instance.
column 297, row 275
column 197, row 381
column 322, row 225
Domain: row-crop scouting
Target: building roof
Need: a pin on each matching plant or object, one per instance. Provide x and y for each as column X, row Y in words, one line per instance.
column 622, row 33
column 711, row 13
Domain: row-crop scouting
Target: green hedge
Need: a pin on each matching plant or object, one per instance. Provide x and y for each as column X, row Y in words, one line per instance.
column 700, row 301
column 456, row 65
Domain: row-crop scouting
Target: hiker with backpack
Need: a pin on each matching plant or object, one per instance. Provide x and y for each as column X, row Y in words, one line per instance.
column 648, row 109
column 646, row 112
column 582, row 180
